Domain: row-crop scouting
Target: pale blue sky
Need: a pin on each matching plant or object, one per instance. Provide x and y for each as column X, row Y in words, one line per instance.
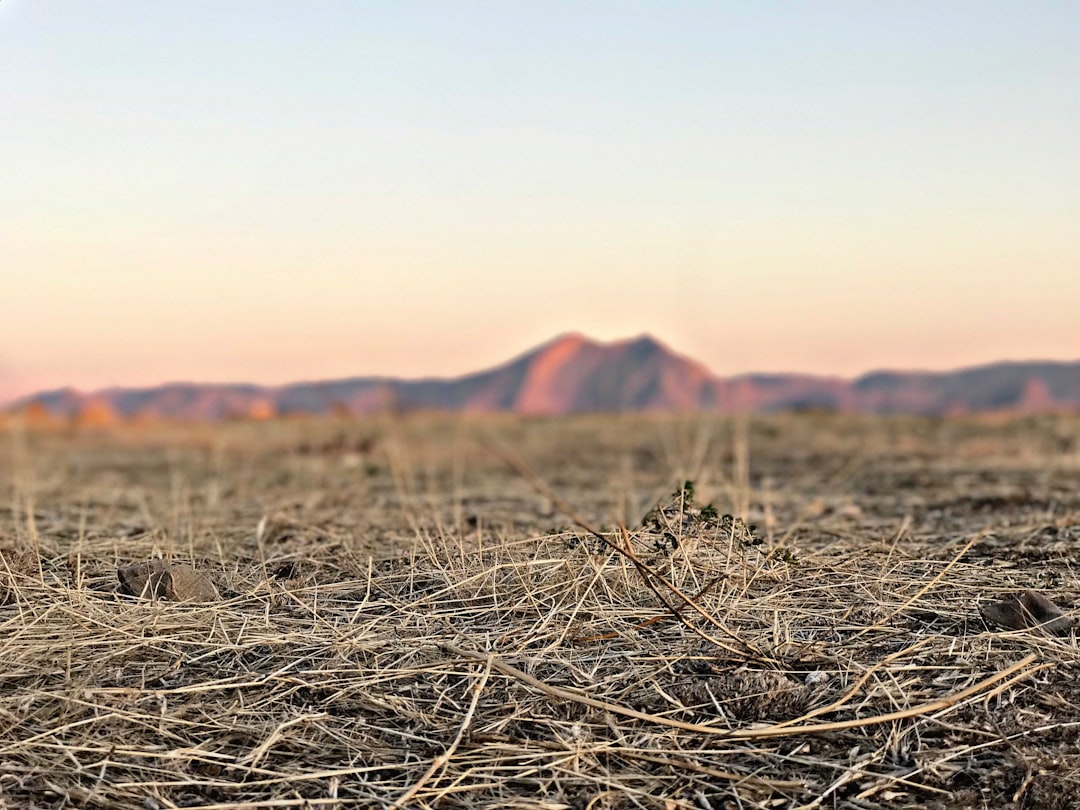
column 280, row 190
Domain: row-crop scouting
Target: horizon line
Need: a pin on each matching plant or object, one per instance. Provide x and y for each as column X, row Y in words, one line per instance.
column 27, row 398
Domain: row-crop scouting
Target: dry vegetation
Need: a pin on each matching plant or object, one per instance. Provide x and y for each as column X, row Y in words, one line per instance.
column 403, row 618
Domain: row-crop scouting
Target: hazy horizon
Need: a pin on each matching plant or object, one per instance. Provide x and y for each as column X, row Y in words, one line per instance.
column 254, row 193
column 514, row 356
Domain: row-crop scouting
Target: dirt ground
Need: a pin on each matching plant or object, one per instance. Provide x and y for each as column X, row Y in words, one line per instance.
column 541, row 613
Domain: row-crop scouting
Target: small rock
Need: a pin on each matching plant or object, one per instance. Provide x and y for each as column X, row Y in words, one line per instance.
column 185, row 584
column 143, row 579
column 1029, row 609
column 157, row 579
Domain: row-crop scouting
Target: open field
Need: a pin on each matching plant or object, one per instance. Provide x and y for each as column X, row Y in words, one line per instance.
column 407, row 615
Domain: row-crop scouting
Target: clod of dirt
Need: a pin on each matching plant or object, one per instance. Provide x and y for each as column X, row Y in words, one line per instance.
column 18, row 562
column 1050, row 792
column 157, row 579
column 287, row 570
column 14, row 565
column 1029, row 609
column 745, row 695
column 679, row 520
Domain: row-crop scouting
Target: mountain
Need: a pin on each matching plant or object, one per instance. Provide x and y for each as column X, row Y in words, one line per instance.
column 573, row 374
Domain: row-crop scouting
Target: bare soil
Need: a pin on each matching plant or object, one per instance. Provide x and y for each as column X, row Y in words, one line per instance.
column 531, row 613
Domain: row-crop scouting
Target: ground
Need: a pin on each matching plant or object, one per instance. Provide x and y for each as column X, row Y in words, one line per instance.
column 601, row 612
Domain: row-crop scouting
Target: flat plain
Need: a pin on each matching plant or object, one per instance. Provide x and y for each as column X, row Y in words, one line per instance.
column 595, row 612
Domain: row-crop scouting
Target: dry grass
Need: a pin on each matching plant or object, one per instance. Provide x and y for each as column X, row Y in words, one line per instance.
column 406, row 621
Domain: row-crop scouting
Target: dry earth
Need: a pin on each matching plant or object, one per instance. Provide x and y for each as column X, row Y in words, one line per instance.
column 397, row 611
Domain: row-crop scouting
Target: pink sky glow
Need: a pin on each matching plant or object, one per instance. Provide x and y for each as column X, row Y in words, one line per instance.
column 275, row 192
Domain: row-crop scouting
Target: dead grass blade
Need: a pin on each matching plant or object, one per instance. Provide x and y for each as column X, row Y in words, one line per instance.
column 1008, row 677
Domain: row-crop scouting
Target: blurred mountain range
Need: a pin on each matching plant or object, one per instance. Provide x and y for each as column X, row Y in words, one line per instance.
column 573, row 374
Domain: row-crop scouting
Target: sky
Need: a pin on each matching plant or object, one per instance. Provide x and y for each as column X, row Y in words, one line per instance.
column 271, row 192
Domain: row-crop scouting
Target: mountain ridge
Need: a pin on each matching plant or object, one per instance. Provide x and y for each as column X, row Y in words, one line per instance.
column 573, row 373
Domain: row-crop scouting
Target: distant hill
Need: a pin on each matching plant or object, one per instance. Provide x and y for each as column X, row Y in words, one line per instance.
column 573, row 374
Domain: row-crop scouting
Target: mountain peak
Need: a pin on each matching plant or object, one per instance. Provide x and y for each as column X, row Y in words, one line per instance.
column 640, row 345
column 645, row 340
column 568, row 341
column 646, row 346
